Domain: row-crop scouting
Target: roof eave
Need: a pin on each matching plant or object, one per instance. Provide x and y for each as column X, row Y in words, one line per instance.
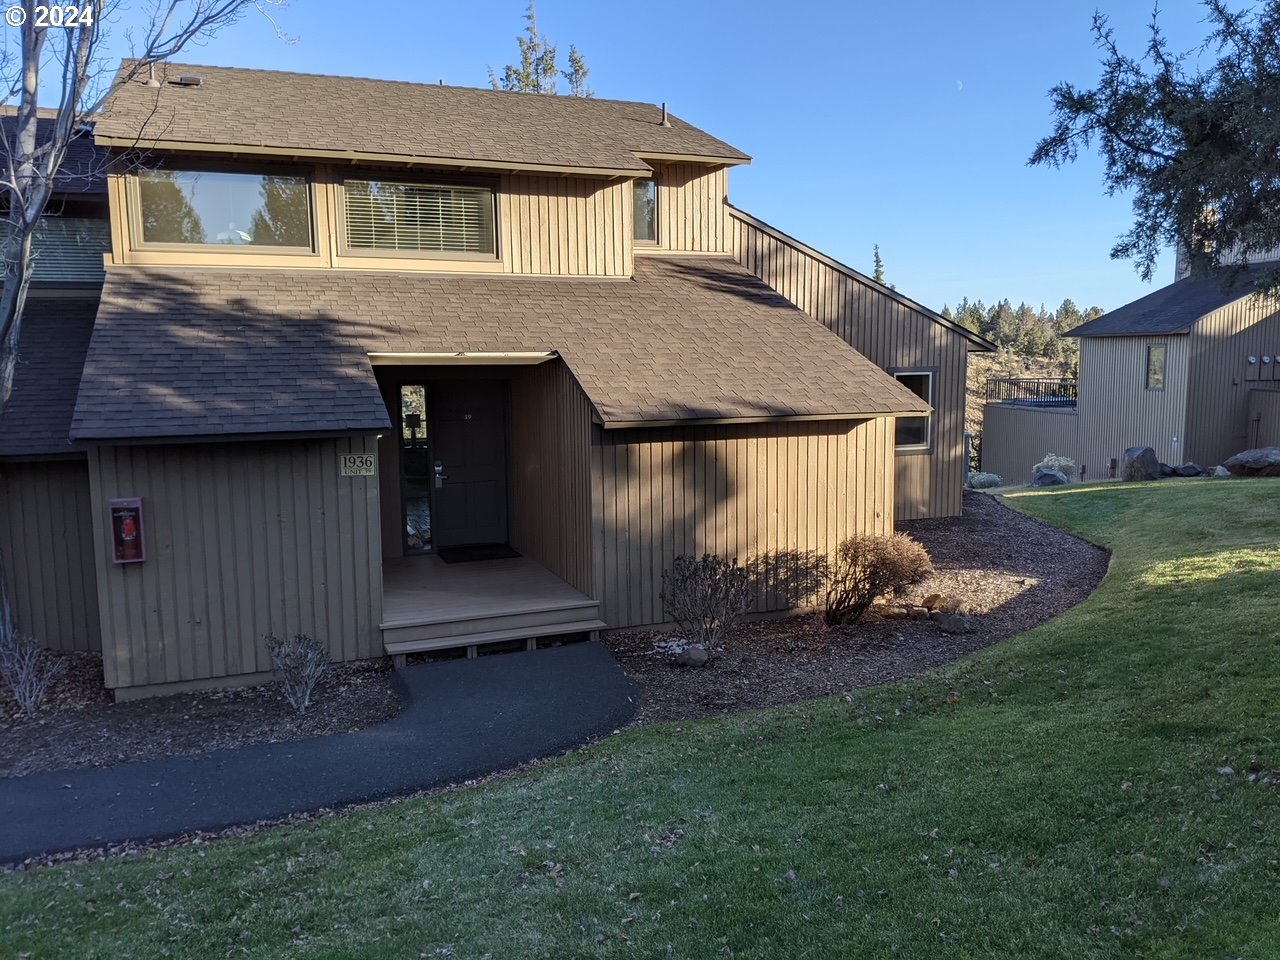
column 362, row 156
column 731, row 421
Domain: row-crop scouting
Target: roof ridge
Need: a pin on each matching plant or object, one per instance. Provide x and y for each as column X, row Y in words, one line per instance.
column 404, row 83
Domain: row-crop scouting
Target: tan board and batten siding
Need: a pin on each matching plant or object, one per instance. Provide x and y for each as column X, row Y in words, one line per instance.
column 739, row 491
column 46, row 539
column 1221, row 376
column 1015, row 438
column 1116, row 409
column 551, row 427
column 242, row 539
column 890, row 334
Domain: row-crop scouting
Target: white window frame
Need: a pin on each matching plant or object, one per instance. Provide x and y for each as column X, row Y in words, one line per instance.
column 928, row 417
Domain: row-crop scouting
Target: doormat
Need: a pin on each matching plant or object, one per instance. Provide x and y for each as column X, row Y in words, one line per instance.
column 480, row 551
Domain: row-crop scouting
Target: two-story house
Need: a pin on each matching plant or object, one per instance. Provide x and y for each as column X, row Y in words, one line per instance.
column 1191, row 370
column 406, row 367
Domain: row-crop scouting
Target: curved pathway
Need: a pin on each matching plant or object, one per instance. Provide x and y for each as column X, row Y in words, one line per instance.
column 461, row 719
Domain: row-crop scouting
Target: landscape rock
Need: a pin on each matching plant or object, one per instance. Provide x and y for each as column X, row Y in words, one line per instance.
column 931, row 601
column 1221, row 471
column 693, row 657
column 952, row 623
column 1189, row 470
column 1049, row 478
column 1140, row 463
column 1262, row 462
column 1167, row 471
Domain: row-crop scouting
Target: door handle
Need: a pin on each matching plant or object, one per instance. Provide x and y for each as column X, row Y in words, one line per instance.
column 441, row 476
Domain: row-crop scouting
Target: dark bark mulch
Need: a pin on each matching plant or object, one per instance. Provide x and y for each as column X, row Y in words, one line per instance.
column 1009, row 571
column 80, row 726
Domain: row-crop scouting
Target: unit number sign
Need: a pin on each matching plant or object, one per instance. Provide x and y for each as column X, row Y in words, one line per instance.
column 357, row 464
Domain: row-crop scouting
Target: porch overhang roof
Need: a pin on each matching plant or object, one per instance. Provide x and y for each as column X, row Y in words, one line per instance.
column 686, row 340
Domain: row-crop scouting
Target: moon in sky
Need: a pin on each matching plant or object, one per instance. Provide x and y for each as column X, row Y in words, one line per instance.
column 959, row 86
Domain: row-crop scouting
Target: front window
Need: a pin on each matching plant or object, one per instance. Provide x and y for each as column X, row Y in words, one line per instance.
column 419, row 218
column 215, row 208
column 1157, row 357
column 916, row 433
column 646, row 205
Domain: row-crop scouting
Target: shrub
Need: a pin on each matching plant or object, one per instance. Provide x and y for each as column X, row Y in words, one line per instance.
column 1063, row 465
column 705, row 597
column 983, row 481
column 299, row 664
column 26, row 666
column 866, row 568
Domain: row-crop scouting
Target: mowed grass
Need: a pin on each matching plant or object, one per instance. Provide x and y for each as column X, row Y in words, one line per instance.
column 1057, row 796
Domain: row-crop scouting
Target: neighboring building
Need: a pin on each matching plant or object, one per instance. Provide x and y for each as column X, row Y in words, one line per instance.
column 405, row 367
column 1191, row 370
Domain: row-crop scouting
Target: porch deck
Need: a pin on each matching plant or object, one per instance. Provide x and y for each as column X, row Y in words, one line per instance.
column 431, row 605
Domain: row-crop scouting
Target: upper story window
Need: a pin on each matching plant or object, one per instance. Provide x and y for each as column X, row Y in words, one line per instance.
column 916, row 433
column 646, row 205
column 224, row 209
column 1157, row 358
column 383, row 215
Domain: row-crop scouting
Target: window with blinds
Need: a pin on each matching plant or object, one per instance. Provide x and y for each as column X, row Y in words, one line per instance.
column 423, row 218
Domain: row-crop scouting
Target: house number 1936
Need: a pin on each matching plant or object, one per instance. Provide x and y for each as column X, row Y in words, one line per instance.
column 357, row 464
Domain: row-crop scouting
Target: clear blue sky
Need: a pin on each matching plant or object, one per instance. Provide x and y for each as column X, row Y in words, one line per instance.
column 906, row 124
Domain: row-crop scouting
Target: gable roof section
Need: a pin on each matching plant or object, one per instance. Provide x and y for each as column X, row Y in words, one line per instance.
column 204, row 352
column 977, row 341
column 55, row 337
column 349, row 117
column 1174, row 309
column 83, row 169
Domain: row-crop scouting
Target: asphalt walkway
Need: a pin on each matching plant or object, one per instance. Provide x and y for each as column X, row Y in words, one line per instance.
column 461, row 719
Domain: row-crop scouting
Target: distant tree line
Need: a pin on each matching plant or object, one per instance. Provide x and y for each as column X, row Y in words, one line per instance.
column 1024, row 330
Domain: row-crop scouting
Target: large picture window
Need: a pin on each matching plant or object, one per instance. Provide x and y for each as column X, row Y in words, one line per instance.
column 418, row 218
column 1157, row 359
column 645, row 194
column 217, row 208
column 916, row 433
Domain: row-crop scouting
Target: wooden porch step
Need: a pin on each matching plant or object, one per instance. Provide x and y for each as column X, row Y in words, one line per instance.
column 402, row 640
column 528, row 616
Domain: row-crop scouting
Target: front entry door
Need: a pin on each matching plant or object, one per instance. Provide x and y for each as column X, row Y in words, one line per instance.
column 470, row 454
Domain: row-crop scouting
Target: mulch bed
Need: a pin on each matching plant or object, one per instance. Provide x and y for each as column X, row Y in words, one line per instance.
column 1009, row 572
column 79, row 725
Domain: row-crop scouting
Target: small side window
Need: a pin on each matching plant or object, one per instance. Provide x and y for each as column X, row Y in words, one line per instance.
column 916, row 433
column 1157, row 357
column 646, row 207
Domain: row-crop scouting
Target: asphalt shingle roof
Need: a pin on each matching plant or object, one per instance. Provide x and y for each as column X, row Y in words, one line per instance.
column 348, row 115
column 83, row 170
column 55, row 337
column 201, row 352
column 1175, row 308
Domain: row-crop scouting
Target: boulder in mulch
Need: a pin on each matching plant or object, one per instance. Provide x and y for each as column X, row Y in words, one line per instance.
column 1189, row 470
column 1140, row 463
column 1049, row 478
column 1262, row 462
column 1167, row 471
column 1220, row 471
column 693, row 657
column 952, row 623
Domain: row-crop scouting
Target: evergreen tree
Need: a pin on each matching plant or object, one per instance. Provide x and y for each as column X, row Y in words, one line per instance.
column 1193, row 136
column 878, row 275
column 537, row 70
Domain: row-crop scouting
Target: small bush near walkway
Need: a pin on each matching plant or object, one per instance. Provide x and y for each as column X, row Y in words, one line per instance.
column 28, row 668
column 299, row 664
column 705, row 597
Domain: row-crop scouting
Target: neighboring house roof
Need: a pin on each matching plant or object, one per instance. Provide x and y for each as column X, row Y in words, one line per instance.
column 55, row 337
column 1175, row 308
column 315, row 115
column 977, row 341
column 202, row 352
column 83, row 169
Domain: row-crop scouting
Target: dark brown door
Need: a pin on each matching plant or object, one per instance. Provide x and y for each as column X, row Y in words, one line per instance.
column 470, row 454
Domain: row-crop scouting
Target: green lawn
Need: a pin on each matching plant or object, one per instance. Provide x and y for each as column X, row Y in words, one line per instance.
column 1058, row 796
